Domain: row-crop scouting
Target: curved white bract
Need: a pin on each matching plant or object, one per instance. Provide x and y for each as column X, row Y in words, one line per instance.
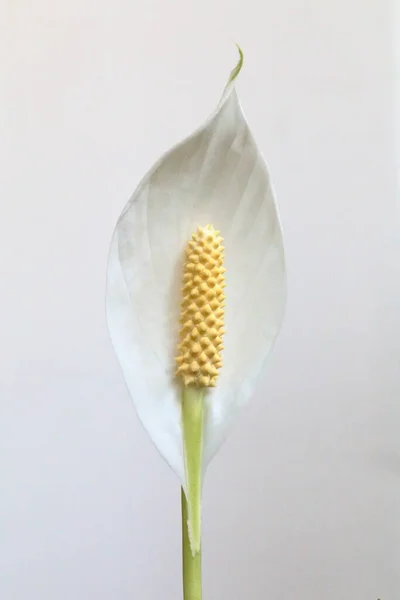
column 217, row 176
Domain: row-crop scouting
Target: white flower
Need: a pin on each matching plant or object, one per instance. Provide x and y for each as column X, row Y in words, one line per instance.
column 217, row 175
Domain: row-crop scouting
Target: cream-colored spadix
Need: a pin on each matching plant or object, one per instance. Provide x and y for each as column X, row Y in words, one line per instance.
column 217, row 175
column 202, row 310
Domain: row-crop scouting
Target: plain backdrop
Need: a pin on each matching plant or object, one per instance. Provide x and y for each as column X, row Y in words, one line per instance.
column 303, row 501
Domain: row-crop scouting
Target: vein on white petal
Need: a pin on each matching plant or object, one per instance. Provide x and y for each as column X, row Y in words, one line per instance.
column 203, row 204
column 123, row 276
column 221, row 168
column 247, row 181
column 148, row 234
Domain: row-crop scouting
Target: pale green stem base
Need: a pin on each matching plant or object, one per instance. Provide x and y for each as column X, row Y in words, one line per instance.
column 192, row 425
column 191, row 565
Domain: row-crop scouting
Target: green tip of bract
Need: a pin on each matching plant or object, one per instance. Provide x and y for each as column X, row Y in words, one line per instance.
column 238, row 67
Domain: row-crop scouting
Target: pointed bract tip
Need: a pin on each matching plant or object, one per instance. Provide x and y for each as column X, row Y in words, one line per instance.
column 238, row 67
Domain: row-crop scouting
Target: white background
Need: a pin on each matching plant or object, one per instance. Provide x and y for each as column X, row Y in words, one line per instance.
column 303, row 501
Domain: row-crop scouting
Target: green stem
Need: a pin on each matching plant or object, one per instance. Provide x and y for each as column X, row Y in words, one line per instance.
column 192, row 425
column 191, row 565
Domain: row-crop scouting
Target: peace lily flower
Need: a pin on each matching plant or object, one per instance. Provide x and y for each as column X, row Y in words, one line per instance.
column 203, row 218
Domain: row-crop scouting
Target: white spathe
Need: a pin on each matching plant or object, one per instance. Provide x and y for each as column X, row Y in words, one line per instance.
column 217, row 175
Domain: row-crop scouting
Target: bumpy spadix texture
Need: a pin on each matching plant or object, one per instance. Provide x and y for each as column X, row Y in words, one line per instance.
column 202, row 309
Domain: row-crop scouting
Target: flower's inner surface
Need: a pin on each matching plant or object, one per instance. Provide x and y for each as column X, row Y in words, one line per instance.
column 202, row 309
